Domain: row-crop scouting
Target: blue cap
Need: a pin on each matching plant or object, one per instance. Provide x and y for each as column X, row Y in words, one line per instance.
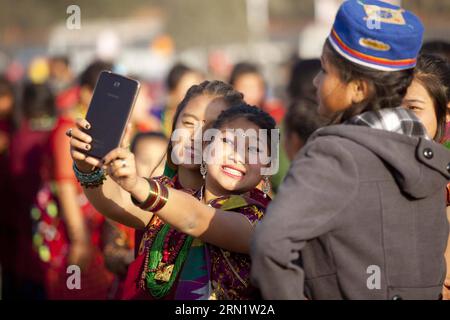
column 377, row 35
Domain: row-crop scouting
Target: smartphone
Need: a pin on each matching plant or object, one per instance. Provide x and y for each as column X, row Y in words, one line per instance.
column 109, row 111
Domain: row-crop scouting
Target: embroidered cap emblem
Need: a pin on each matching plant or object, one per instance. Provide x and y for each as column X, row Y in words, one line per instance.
column 385, row 15
column 374, row 44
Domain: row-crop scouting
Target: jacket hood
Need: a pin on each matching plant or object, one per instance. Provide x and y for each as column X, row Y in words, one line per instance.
column 419, row 166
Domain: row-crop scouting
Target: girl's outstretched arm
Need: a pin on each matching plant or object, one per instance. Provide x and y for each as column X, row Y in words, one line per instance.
column 109, row 199
column 229, row 230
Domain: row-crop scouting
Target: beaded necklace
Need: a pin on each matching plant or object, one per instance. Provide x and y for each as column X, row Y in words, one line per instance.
column 165, row 251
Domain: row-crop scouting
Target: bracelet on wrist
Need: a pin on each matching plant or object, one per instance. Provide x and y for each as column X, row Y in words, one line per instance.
column 90, row 180
column 156, row 199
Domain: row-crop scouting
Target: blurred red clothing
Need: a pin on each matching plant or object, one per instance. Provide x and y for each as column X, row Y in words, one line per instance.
column 27, row 146
column 275, row 108
column 7, row 230
column 68, row 98
column 95, row 279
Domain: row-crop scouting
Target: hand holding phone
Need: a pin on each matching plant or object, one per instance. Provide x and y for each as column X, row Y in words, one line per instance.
column 109, row 112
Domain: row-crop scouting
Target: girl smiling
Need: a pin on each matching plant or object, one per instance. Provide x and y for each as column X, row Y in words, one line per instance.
column 224, row 218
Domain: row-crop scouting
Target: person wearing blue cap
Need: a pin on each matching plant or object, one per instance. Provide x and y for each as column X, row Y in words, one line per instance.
column 361, row 212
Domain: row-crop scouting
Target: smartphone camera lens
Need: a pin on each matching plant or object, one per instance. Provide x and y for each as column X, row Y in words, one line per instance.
column 116, row 84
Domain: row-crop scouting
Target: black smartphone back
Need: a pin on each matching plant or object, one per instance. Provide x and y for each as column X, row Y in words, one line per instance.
column 109, row 111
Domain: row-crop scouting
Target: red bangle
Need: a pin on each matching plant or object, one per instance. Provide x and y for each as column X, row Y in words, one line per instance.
column 150, row 201
column 163, row 196
column 156, row 199
column 152, row 197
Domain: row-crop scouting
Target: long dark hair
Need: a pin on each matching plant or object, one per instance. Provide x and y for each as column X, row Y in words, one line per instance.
column 433, row 73
column 386, row 89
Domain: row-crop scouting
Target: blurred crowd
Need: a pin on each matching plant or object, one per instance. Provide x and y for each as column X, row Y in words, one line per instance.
column 46, row 222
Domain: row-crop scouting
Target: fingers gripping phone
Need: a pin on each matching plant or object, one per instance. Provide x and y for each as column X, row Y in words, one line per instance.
column 109, row 111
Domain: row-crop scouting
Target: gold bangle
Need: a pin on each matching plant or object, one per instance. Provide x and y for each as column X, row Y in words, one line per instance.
column 164, row 196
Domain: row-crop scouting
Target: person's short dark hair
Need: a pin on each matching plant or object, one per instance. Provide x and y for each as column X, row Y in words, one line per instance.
column 147, row 135
column 439, row 48
column 61, row 58
column 301, row 82
column 89, row 76
column 38, row 101
column 303, row 119
column 243, row 68
column 176, row 73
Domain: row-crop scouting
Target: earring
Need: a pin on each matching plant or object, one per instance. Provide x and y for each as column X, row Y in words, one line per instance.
column 266, row 186
column 203, row 170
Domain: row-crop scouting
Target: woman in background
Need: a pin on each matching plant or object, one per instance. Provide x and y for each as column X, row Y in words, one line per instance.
column 67, row 228
column 428, row 97
column 429, row 93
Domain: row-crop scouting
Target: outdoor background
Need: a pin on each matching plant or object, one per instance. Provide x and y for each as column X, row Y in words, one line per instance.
column 145, row 37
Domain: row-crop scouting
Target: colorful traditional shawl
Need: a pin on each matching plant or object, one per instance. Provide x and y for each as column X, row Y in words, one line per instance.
column 194, row 281
column 208, row 272
column 135, row 283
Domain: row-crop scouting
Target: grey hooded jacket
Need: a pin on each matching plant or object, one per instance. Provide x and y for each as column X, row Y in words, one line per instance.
column 366, row 209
